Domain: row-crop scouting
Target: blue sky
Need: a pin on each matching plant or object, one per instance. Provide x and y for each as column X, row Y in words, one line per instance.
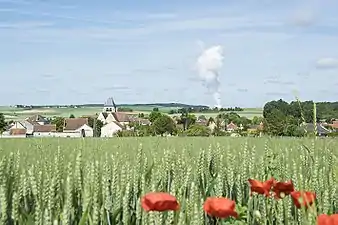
column 67, row 52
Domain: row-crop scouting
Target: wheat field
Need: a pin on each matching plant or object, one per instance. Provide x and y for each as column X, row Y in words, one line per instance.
column 101, row 181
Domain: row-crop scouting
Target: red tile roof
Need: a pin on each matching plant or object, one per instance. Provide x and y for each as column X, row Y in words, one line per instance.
column 121, row 117
column 44, row 128
column 75, row 123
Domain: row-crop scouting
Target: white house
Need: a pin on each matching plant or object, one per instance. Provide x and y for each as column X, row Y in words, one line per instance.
column 78, row 125
column 29, row 127
column 26, row 128
column 110, row 129
column 17, row 129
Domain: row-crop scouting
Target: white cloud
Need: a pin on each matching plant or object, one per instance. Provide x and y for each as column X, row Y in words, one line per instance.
column 327, row 63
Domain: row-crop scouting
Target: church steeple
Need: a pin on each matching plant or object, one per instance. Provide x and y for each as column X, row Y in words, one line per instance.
column 109, row 105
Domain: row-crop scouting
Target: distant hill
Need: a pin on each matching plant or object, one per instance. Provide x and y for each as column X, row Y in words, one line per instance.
column 160, row 105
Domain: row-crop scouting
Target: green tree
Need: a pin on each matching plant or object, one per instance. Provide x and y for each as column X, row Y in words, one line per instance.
column 187, row 119
column 198, row 130
column 172, row 111
column 3, row 123
column 154, row 115
column 71, row 116
column 97, row 127
column 164, row 124
column 274, row 123
column 156, row 109
column 256, row 120
column 141, row 115
column 59, row 122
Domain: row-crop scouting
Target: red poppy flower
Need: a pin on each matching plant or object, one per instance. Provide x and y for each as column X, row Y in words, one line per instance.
column 283, row 187
column 220, row 207
column 159, row 201
column 303, row 198
column 324, row 219
column 260, row 187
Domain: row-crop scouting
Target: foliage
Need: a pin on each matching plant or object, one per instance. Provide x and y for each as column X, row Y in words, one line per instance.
column 324, row 110
column 198, row 130
column 3, row 123
column 164, row 124
column 90, row 181
column 97, row 127
column 59, row 122
column 282, row 118
column 126, row 133
column 154, row 115
column 71, row 116
column 141, row 115
column 187, row 120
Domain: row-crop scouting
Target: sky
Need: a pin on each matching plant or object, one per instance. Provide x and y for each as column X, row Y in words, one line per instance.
column 76, row 52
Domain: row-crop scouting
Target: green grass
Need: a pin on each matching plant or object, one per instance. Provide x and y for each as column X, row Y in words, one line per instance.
column 101, row 180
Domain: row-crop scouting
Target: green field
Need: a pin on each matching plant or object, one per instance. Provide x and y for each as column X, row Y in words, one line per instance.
column 19, row 114
column 100, row 181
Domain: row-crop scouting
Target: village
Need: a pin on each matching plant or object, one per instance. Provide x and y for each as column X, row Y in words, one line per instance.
column 112, row 121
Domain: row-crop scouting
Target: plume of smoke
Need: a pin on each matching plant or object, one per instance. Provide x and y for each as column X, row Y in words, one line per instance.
column 209, row 64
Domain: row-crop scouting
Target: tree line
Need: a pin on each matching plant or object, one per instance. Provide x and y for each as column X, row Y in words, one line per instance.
column 285, row 119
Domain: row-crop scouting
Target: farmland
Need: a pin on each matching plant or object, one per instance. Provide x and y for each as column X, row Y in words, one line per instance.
column 100, row 181
column 12, row 113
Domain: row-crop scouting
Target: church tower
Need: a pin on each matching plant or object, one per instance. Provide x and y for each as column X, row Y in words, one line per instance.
column 109, row 105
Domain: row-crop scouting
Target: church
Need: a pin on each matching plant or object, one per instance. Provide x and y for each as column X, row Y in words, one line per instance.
column 110, row 114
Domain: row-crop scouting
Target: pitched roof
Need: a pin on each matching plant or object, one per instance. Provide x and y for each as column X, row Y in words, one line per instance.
column 320, row 129
column 45, row 128
column 118, row 124
column 110, row 103
column 232, row 126
column 37, row 118
column 105, row 114
column 121, row 117
column 74, row 123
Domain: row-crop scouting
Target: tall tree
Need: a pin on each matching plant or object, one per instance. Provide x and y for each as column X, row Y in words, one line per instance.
column 2, row 123
column 154, row 115
column 187, row 120
column 164, row 124
column 59, row 123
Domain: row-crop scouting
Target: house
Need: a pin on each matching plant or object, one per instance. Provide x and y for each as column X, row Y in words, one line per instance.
column 37, row 119
column 110, row 129
column 256, row 129
column 202, row 122
column 321, row 130
column 31, row 130
column 74, row 126
column 232, row 127
column 47, row 130
column 19, row 128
